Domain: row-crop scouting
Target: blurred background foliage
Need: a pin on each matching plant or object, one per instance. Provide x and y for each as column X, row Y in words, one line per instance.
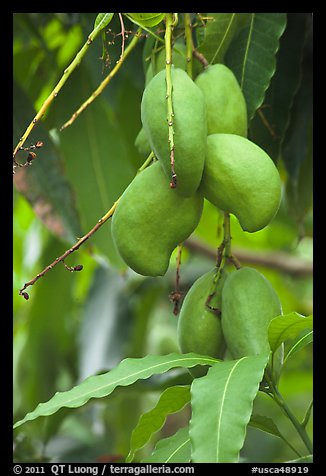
column 76, row 325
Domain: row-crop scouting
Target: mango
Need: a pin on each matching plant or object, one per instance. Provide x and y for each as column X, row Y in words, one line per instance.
column 226, row 107
column 199, row 327
column 157, row 63
column 142, row 143
column 151, row 219
column 189, row 124
column 249, row 303
column 240, row 178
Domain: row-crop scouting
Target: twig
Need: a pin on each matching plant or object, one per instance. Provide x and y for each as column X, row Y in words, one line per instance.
column 122, row 34
column 105, row 81
column 67, row 72
column 80, row 241
column 189, row 43
column 201, row 58
column 170, row 114
column 176, row 295
column 267, row 124
column 68, row 252
column 275, row 260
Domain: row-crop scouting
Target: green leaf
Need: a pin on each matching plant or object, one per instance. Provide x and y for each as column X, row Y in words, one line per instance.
column 146, row 19
column 102, row 20
column 221, row 408
column 126, row 373
column 49, row 351
column 304, row 459
column 96, row 156
column 265, row 424
column 175, row 449
column 251, row 56
column 299, row 344
column 171, row 400
column 287, row 326
column 219, row 32
column 268, row 128
column 43, row 183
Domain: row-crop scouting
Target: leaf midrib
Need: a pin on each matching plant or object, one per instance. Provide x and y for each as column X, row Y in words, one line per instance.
column 219, row 425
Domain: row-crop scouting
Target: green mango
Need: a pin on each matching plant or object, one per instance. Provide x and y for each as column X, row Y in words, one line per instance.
column 240, row 178
column 151, row 219
column 225, row 103
column 199, row 327
column 249, row 303
column 189, row 124
column 157, row 63
column 142, row 143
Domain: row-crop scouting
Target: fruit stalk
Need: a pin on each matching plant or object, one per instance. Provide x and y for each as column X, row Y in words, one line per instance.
column 189, row 43
column 170, row 114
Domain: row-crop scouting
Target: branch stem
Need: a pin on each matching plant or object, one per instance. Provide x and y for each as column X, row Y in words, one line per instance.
column 170, row 113
column 277, row 397
column 105, row 81
column 66, row 74
column 189, row 43
column 82, row 240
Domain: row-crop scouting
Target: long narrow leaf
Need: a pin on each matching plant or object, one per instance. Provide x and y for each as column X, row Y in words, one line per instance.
column 218, row 34
column 102, row 20
column 172, row 400
column 299, row 344
column 175, row 449
column 251, row 56
column 221, row 408
column 126, row 373
column 287, row 326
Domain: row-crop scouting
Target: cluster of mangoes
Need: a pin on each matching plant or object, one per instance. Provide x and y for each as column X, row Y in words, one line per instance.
column 213, row 159
column 229, row 318
column 223, row 313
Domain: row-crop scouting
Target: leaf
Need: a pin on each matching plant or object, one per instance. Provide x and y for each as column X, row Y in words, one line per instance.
column 219, row 32
column 49, row 350
column 171, row 400
column 251, row 56
column 304, row 459
column 146, row 19
column 126, row 373
column 287, row 326
column 43, row 183
column 102, row 20
column 106, row 324
column 302, row 342
column 268, row 128
column 221, row 408
column 174, row 449
column 96, row 157
column 266, row 424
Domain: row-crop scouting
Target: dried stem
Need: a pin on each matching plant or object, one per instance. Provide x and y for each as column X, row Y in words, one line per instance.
column 66, row 74
column 105, row 81
column 283, row 262
column 81, row 241
column 71, row 250
column 201, row 58
column 122, row 34
column 176, row 295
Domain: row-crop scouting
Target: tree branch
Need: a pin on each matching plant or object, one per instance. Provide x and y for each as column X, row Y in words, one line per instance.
column 275, row 260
